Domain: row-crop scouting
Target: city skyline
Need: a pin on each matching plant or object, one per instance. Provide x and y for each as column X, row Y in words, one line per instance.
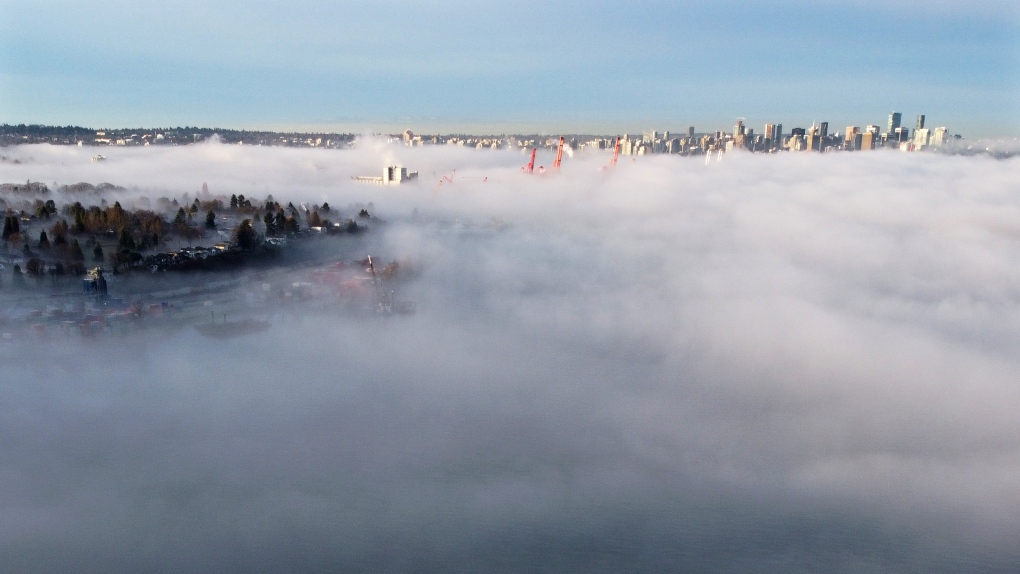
column 816, row 138
column 526, row 68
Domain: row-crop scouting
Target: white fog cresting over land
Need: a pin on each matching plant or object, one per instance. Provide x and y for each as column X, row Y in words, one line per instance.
column 789, row 363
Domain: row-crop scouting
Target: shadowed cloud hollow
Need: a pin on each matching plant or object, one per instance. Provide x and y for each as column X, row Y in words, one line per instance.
column 792, row 363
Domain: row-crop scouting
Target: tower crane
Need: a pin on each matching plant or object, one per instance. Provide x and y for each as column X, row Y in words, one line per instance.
column 530, row 168
column 450, row 180
column 559, row 155
column 616, row 155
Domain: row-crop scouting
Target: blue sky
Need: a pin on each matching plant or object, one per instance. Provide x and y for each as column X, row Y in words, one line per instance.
column 510, row 66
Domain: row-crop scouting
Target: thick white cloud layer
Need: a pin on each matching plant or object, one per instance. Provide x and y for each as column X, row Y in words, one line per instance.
column 798, row 362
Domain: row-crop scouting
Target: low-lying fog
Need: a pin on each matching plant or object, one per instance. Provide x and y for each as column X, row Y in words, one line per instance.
column 799, row 363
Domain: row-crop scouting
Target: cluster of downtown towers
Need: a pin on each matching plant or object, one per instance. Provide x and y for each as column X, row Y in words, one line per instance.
column 816, row 138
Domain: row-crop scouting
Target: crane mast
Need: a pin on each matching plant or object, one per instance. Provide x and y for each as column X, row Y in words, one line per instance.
column 531, row 164
column 616, row 152
column 559, row 155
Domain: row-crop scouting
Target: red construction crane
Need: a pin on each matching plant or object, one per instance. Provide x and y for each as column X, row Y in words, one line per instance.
column 453, row 178
column 616, row 152
column 559, row 155
column 530, row 168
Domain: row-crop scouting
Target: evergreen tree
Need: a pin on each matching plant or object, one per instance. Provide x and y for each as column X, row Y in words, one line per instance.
column 44, row 242
column 125, row 241
column 59, row 232
column 75, row 207
column 11, row 226
column 270, row 222
column 76, row 253
column 97, row 252
column 244, row 236
column 210, row 219
column 233, row 201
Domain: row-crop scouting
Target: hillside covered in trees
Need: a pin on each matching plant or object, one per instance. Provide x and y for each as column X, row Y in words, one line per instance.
column 42, row 237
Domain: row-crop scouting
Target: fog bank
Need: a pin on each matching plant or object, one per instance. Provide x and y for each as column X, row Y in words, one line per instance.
column 789, row 363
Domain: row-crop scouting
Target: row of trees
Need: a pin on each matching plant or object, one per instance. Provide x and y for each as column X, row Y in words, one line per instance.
column 12, row 226
column 280, row 223
column 142, row 229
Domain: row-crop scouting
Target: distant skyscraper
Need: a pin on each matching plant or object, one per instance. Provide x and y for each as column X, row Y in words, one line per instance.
column 851, row 133
column 738, row 129
column 939, row 136
column 920, row 122
column 813, row 140
column 777, row 141
column 921, row 137
column 690, row 131
column 770, row 136
column 894, row 121
column 854, row 142
column 823, row 130
column 868, row 140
